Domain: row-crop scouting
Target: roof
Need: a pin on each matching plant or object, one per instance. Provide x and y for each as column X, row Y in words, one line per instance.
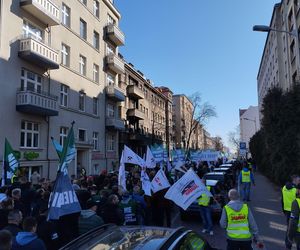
column 211, row 183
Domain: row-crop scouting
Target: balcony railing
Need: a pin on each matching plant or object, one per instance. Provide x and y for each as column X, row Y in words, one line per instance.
column 114, row 34
column 45, row 10
column 135, row 92
column 37, row 52
column 115, row 123
column 32, row 102
column 135, row 114
column 115, row 64
column 114, row 93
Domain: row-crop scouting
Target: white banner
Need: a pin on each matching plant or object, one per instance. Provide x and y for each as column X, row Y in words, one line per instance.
column 130, row 157
column 122, row 176
column 209, row 155
column 187, row 189
column 150, row 160
column 146, row 184
column 159, row 182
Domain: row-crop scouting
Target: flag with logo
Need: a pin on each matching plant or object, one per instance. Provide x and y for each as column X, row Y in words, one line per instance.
column 122, row 175
column 150, row 160
column 130, row 157
column 146, row 183
column 159, row 182
column 10, row 163
column 58, row 147
column 166, row 157
column 158, row 152
column 63, row 199
column 187, row 189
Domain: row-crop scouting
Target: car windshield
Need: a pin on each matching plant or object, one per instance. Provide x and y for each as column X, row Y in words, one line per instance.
column 214, row 177
column 131, row 239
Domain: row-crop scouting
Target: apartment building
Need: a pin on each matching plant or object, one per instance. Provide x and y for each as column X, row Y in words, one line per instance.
column 146, row 114
column 183, row 118
column 249, row 123
column 280, row 62
column 59, row 63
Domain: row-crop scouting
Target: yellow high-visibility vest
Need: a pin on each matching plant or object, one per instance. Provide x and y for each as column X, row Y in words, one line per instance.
column 288, row 196
column 204, row 199
column 298, row 228
column 246, row 176
column 238, row 225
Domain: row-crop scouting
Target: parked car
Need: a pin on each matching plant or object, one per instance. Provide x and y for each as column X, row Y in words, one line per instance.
column 216, row 205
column 226, row 165
column 114, row 237
column 223, row 177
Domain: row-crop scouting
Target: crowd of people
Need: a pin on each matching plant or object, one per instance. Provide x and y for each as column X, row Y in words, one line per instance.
column 24, row 206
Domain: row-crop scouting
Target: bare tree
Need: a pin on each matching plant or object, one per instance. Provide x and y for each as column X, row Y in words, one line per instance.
column 201, row 114
column 218, row 143
column 234, row 138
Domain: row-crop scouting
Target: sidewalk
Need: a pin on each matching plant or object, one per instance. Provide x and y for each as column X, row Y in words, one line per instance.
column 266, row 207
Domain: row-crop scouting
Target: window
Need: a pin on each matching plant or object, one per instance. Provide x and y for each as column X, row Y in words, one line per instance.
column 95, row 73
column 110, row 20
column 30, row 30
column 84, row 2
column 64, row 95
column 29, row 134
column 31, row 81
column 191, row 241
column 82, row 135
column 82, row 29
column 82, row 65
column 110, row 110
column 109, row 50
column 110, row 80
column 81, row 101
column 95, row 105
column 110, row 142
column 96, row 40
column 95, row 141
column 63, row 133
column 65, row 15
column 96, row 8
column 65, row 55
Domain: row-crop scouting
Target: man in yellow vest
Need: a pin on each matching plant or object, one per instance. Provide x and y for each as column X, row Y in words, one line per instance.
column 239, row 223
column 246, row 178
column 288, row 196
column 294, row 222
column 205, row 211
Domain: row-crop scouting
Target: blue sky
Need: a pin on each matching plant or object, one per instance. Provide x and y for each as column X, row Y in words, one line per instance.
column 199, row 46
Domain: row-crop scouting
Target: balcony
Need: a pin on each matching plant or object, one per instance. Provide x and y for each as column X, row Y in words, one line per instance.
column 83, row 143
column 37, row 52
column 115, row 64
column 44, row 10
column 135, row 114
column 35, row 103
column 135, row 92
column 114, row 34
column 114, row 123
column 115, row 93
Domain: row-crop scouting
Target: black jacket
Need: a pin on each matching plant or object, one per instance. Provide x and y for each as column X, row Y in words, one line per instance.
column 13, row 229
column 112, row 214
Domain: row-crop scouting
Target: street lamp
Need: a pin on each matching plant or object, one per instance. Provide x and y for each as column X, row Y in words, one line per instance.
column 265, row 28
column 247, row 119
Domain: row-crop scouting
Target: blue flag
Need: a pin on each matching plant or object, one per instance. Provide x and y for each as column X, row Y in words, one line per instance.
column 63, row 199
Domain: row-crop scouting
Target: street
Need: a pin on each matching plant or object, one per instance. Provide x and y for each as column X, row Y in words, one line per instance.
column 266, row 207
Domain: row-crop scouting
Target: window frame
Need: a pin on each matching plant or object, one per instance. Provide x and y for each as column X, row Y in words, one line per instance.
column 65, row 54
column 111, row 143
column 64, row 95
column 95, row 141
column 32, row 132
column 82, row 65
column 66, row 15
column 82, row 29
column 81, row 104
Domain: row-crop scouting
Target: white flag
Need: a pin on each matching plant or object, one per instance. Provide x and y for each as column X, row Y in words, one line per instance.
column 179, row 165
column 130, row 157
column 150, row 160
column 122, row 176
column 159, row 181
column 146, row 184
column 187, row 189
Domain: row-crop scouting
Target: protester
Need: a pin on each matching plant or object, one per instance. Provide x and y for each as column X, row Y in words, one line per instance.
column 246, row 178
column 88, row 219
column 35, row 178
column 205, row 211
column 239, row 223
column 130, row 208
column 5, row 240
column 14, row 220
column 27, row 239
column 112, row 213
column 293, row 231
column 288, row 196
column 5, row 206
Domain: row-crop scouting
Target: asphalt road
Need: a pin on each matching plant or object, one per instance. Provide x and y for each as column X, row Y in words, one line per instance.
column 266, row 207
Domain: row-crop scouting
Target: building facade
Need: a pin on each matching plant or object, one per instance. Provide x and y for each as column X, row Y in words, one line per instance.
column 146, row 111
column 59, row 63
column 280, row 62
column 249, row 123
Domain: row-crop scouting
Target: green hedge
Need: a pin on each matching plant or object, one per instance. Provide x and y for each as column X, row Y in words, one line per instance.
column 276, row 147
